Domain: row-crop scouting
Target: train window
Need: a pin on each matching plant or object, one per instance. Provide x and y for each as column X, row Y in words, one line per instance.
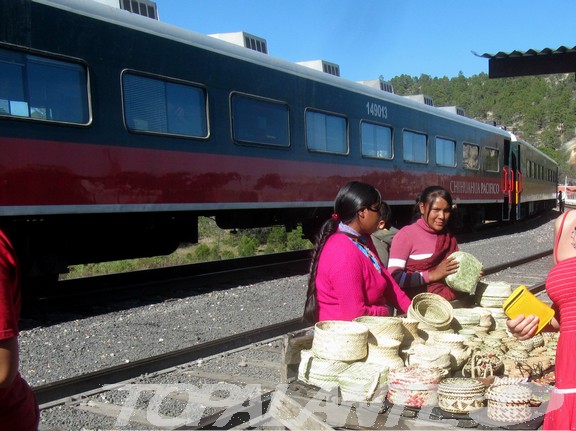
column 376, row 140
column 471, row 156
column 491, row 159
column 445, row 152
column 415, row 146
column 43, row 88
column 260, row 121
column 161, row 106
column 326, row 132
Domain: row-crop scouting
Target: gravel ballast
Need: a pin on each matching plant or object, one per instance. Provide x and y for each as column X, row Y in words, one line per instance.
column 50, row 352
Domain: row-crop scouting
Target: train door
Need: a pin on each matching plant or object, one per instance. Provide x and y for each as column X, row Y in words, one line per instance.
column 518, row 182
column 511, row 181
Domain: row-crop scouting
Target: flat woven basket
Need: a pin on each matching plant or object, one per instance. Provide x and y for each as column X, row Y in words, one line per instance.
column 432, row 310
column 320, row 372
column 360, row 381
column 340, row 341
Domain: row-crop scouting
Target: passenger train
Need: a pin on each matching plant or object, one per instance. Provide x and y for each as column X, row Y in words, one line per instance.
column 118, row 131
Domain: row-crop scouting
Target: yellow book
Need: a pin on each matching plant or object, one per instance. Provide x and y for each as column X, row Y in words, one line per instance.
column 522, row 301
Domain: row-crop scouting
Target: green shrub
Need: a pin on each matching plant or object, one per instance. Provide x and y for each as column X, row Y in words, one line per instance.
column 247, row 246
column 202, row 252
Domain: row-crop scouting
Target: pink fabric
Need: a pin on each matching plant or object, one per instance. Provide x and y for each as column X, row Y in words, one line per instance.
column 18, row 406
column 416, row 250
column 561, row 288
column 348, row 285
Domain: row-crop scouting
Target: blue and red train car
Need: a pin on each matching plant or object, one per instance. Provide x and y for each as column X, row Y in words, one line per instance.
column 118, row 131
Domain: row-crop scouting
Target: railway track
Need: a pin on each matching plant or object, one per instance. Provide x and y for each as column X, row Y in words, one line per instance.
column 162, row 283
column 210, row 382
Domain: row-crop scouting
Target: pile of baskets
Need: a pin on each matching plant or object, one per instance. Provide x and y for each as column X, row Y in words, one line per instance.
column 336, row 361
column 432, row 311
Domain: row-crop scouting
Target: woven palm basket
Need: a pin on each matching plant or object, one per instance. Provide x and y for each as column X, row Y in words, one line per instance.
column 460, row 395
column 427, row 356
column 340, row 341
column 413, row 386
column 509, row 403
column 466, row 318
column 381, row 327
column 485, row 315
column 410, row 330
column 320, row 372
column 432, row 310
column 385, row 354
column 361, row 380
column 447, row 339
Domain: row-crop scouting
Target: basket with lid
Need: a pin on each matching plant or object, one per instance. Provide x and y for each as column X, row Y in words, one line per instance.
column 340, row 340
column 509, row 403
column 460, row 395
column 414, row 386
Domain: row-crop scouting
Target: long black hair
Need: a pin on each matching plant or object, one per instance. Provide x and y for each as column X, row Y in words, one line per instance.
column 351, row 198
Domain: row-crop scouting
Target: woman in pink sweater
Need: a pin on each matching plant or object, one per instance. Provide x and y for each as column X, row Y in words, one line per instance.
column 347, row 279
column 419, row 252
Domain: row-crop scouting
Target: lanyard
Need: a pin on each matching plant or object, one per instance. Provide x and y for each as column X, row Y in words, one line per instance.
column 368, row 253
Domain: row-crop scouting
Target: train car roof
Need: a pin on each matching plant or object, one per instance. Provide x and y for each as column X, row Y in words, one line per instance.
column 528, row 144
column 127, row 19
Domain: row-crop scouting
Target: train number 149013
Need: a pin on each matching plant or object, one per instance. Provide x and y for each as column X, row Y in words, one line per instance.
column 377, row 110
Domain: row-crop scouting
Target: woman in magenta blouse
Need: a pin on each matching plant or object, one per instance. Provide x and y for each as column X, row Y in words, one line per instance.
column 347, row 278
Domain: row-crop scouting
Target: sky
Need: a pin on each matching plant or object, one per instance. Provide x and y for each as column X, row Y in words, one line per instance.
column 373, row 38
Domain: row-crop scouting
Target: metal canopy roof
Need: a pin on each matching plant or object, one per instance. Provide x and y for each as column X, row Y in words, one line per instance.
column 531, row 62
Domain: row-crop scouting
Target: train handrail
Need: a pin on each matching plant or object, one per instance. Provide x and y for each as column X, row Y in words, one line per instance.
column 506, row 173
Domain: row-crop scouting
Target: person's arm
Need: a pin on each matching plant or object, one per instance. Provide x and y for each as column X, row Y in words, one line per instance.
column 8, row 361
column 394, row 295
column 399, row 253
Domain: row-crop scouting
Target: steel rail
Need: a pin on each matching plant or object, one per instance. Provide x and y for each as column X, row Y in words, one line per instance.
column 65, row 390
column 68, row 389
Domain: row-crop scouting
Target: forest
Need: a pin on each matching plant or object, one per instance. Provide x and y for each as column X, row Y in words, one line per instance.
column 539, row 109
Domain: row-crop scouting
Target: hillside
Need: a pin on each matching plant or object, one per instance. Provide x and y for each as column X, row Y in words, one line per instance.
column 540, row 109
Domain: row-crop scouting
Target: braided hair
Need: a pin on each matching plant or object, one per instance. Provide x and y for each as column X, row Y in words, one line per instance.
column 351, row 198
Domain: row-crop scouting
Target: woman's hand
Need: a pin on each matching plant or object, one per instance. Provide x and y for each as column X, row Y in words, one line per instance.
column 523, row 327
column 446, row 267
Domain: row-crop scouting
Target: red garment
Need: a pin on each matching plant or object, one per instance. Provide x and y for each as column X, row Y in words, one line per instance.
column 416, row 250
column 561, row 288
column 18, row 405
column 348, row 285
